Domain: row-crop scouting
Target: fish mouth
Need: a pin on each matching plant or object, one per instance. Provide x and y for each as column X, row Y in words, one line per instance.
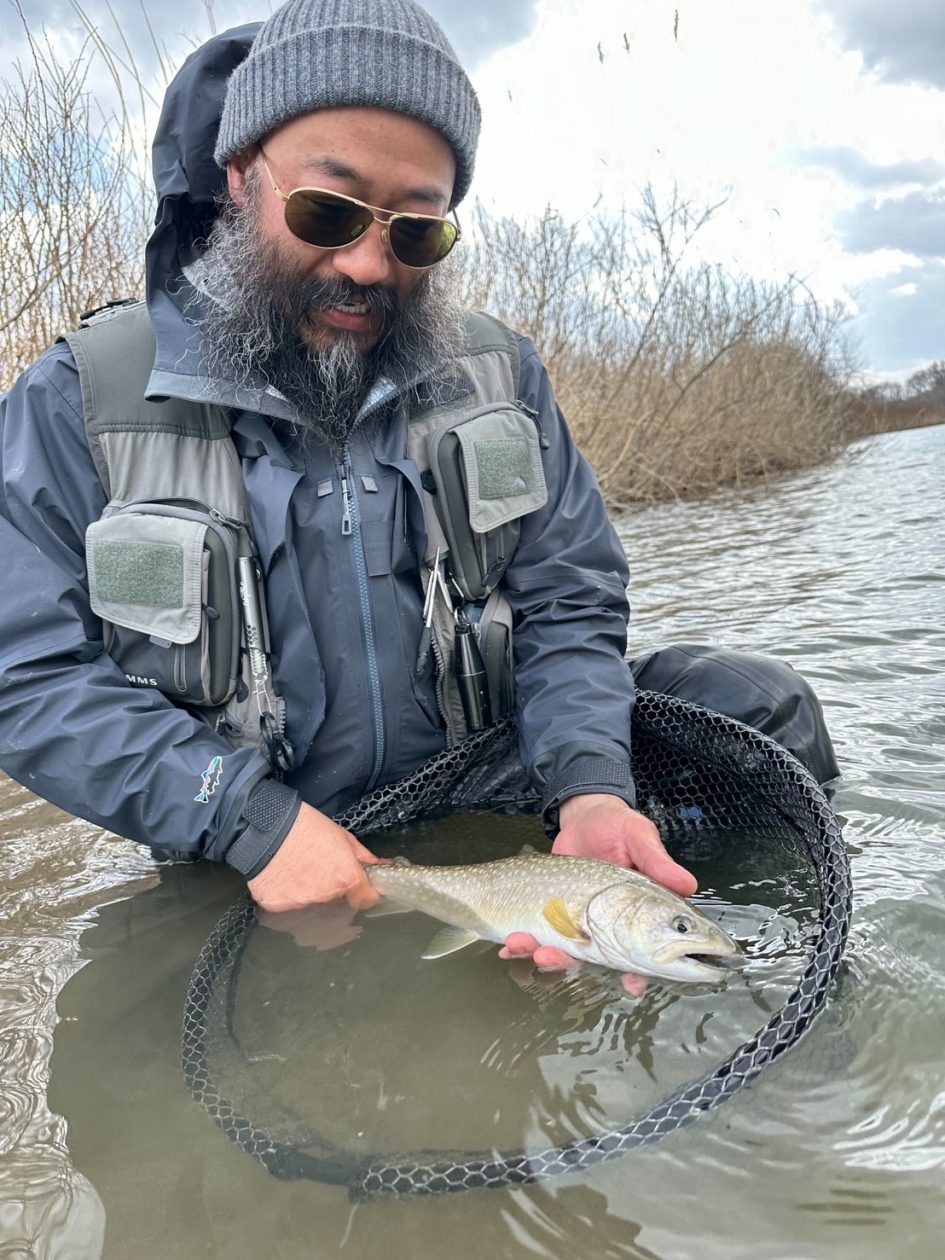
column 728, row 961
column 716, row 964
column 707, row 962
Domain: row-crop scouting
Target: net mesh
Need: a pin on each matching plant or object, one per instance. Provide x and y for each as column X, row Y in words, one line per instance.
column 697, row 772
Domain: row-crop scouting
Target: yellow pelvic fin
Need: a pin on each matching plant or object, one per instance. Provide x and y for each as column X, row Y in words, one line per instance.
column 560, row 918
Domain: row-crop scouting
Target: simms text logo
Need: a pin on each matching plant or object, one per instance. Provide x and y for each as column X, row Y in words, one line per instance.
column 137, row 681
column 210, row 780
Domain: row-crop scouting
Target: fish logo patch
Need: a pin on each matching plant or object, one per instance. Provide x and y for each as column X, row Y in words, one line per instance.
column 210, row 780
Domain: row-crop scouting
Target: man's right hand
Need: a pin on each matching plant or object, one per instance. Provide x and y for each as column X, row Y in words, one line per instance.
column 318, row 861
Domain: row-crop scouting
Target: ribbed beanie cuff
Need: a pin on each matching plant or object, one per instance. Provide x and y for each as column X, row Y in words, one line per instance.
column 315, row 54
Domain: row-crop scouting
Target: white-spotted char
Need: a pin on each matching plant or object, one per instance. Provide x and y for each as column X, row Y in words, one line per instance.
column 592, row 910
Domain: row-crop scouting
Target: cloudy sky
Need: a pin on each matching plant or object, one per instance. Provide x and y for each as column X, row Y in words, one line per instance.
column 820, row 122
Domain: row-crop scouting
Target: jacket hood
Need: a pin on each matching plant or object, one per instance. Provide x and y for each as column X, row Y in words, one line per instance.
column 182, row 154
column 188, row 182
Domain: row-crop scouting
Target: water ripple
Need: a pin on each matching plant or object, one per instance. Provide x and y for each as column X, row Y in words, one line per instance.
column 836, row 1151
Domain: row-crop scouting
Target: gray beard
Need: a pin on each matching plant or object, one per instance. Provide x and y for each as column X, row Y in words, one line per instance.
column 252, row 305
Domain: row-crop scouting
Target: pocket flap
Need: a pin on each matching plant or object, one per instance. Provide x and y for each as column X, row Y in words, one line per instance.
column 502, row 464
column 146, row 573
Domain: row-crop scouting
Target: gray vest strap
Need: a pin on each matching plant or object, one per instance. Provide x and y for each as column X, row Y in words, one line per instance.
column 486, row 378
column 141, row 446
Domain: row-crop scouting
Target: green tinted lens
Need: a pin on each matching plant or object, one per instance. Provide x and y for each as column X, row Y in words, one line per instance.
column 324, row 219
column 421, row 242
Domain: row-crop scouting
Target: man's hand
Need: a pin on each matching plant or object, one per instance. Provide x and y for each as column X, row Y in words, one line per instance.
column 318, row 861
column 605, row 827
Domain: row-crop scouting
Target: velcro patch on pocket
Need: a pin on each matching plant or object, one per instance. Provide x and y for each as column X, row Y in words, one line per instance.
column 502, row 465
column 146, row 573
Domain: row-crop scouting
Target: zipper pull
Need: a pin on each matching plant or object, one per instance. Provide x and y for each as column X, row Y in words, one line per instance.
column 543, row 440
column 222, row 519
column 346, row 499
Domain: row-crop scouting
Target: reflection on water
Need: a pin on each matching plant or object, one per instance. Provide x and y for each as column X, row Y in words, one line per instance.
column 836, row 1151
column 54, row 871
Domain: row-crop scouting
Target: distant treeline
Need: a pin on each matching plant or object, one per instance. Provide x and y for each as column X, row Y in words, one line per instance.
column 675, row 375
column 911, row 404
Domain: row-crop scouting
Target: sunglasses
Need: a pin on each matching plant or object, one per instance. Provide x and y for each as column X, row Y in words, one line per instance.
column 330, row 220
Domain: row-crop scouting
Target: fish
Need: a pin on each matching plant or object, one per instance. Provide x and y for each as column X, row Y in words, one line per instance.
column 595, row 911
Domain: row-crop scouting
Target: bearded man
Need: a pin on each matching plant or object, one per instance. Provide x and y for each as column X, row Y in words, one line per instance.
column 232, row 536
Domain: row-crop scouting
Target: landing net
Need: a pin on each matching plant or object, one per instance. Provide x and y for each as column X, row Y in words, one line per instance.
column 696, row 772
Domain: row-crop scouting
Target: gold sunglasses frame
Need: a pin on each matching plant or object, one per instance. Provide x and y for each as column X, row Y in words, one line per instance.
column 375, row 213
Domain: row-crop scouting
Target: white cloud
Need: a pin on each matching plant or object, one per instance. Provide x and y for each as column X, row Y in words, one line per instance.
column 901, row 41
column 727, row 106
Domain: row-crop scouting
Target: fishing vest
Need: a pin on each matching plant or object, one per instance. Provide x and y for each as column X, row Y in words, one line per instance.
column 173, row 568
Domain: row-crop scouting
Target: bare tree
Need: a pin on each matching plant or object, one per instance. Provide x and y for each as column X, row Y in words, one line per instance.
column 73, row 205
column 928, row 384
column 675, row 376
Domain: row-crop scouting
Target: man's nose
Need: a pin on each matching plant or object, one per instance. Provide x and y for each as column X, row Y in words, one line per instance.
column 368, row 260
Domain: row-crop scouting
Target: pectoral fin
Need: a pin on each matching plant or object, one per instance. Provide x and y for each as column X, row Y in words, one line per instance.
column 560, row 918
column 387, row 905
column 448, row 941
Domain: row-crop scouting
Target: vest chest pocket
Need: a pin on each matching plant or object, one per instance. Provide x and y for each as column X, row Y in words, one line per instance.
column 162, row 578
column 489, row 468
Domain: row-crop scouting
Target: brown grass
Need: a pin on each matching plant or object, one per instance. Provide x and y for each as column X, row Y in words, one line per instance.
column 675, row 377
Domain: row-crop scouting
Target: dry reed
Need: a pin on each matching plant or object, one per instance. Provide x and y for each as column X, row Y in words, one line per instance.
column 675, row 378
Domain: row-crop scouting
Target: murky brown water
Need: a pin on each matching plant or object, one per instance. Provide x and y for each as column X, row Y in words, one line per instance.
column 836, row 1152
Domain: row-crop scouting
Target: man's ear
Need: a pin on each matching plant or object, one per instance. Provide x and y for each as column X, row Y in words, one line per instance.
column 237, row 172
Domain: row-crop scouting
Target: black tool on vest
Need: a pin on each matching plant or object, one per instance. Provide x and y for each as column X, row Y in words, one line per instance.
column 471, row 675
column 254, row 636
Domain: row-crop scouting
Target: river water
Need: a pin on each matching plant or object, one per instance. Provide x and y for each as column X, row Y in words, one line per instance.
column 836, row 1151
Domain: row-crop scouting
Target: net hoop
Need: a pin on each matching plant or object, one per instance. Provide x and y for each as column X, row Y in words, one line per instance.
column 692, row 767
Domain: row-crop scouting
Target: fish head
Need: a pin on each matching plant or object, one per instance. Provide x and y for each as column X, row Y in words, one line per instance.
column 656, row 933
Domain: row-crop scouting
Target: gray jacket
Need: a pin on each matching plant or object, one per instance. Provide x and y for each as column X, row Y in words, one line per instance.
column 345, row 609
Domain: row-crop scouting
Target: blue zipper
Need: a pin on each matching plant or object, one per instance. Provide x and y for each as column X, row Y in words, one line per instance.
column 351, row 528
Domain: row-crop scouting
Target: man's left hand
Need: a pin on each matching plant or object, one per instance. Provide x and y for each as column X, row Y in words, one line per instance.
column 605, row 827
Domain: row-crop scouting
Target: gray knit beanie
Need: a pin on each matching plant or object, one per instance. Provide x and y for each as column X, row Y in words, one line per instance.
column 386, row 53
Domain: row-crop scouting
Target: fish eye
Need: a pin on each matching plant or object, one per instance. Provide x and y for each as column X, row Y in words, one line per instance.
column 681, row 925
